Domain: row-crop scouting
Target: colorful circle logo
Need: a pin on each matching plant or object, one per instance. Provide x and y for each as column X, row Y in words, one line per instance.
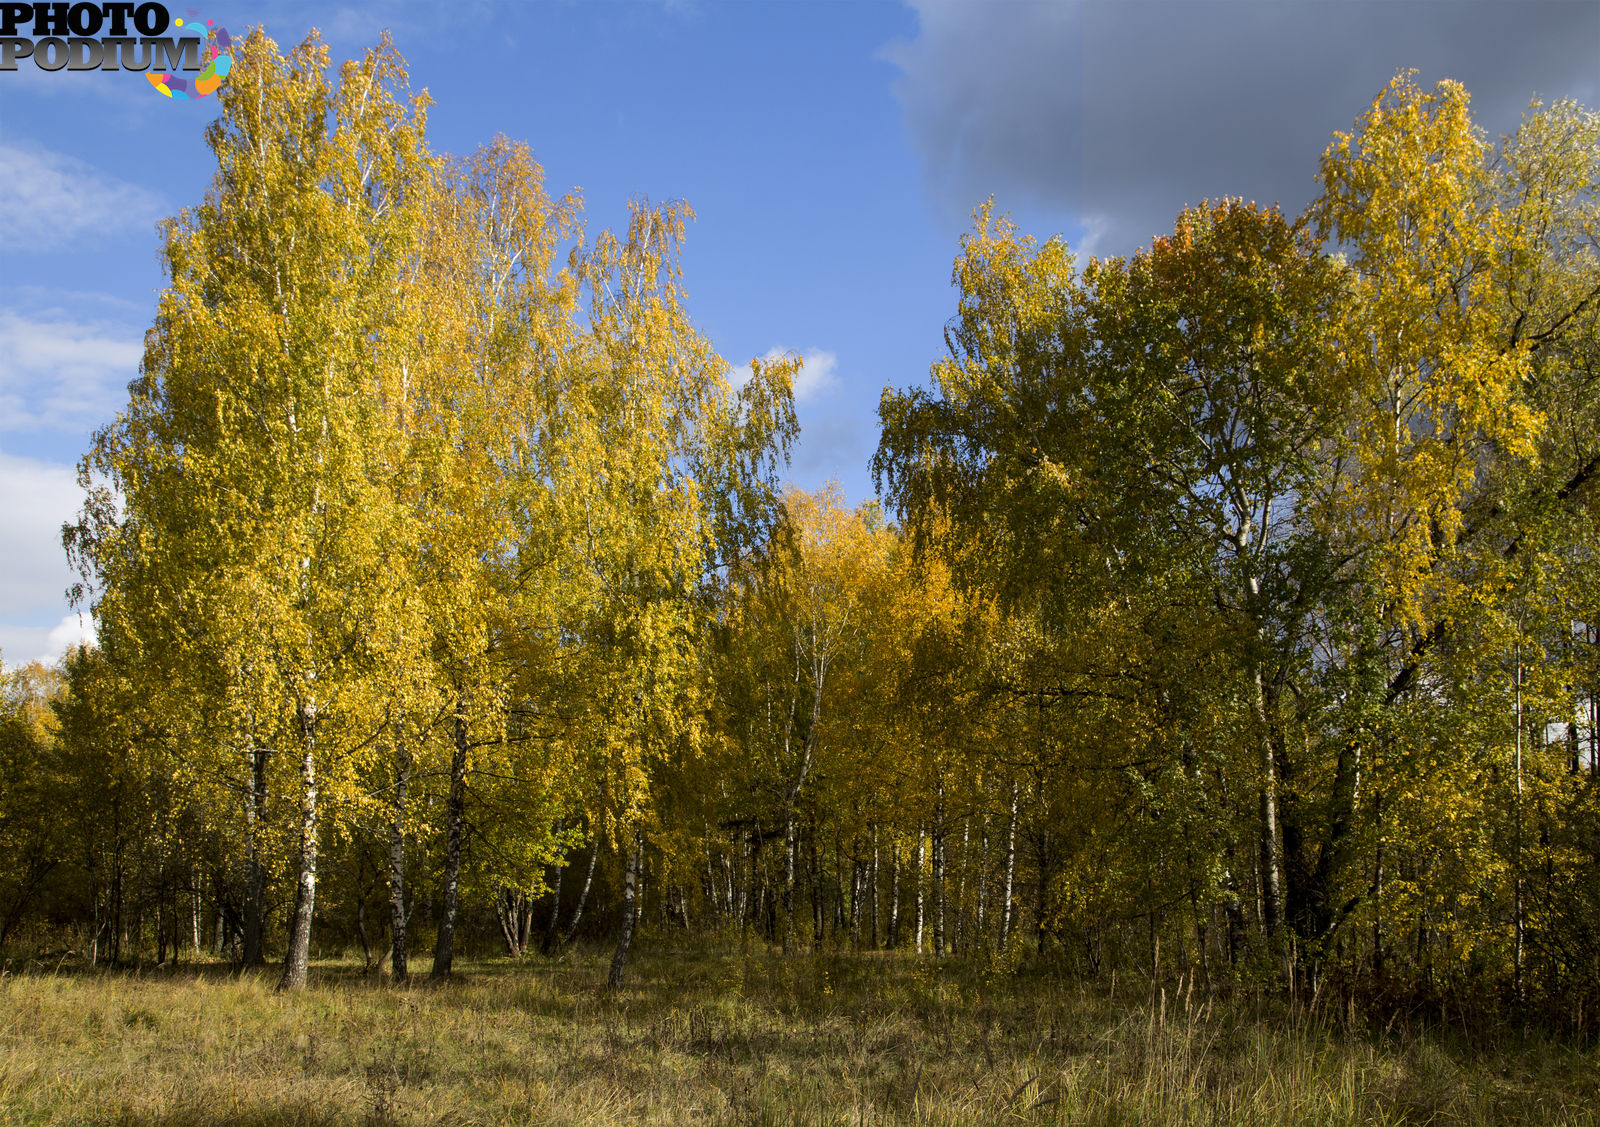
column 218, row 58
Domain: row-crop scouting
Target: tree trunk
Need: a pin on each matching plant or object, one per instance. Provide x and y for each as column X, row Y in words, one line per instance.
column 1271, row 863
column 922, row 858
column 818, row 919
column 1233, row 909
column 161, row 919
column 361, row 933
column 737, row 868
column 299, row 954
column 749, row 878
column 713, row 890
column 552, row 930
column 505, row 917
column 1377, row 917
column 455, row 814
column 983, row 880
column 118, row 881
column 874, row 886
column 788, row 880
column 511, row 908
column 962, row 865
column 846, row 915
column 1518, row 923
column 630, row 910
column 1011, row 868
column 583, row 897
column 255, row 873
column 894, row 894
column 1040, row 907
column 397, row 861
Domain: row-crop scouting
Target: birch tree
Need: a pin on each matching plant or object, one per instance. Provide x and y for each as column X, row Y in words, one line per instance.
column 259, row 548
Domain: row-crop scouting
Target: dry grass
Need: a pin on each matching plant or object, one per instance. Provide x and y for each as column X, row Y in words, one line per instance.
column 704, row 1037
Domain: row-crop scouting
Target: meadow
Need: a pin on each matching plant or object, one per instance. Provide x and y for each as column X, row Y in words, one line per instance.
column 716, row 1036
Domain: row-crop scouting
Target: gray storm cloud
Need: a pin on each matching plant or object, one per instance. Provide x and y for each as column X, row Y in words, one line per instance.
column 1116, row 113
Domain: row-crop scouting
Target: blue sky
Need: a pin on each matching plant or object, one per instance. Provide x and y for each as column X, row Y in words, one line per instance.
column 832, row 150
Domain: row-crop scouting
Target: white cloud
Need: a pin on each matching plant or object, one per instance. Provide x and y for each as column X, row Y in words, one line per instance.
column 61, row 374
column 45, row 644
column 49, row 199
column 34, row 576
column 817, row 375
column 74, row 630
column 832, row 437
column 831, row 443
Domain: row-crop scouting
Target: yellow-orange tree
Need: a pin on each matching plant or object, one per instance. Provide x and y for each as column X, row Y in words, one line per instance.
column 659, row 473
column 1464, row 489
column 257, row 562
column 798, row 618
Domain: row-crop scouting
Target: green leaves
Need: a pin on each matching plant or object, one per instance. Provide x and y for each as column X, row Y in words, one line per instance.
column 1340, row 474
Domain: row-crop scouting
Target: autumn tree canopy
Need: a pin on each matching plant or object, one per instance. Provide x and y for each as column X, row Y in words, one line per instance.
column 1231, row 613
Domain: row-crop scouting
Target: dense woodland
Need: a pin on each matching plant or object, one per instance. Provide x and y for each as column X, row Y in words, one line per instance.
column 1233, row 611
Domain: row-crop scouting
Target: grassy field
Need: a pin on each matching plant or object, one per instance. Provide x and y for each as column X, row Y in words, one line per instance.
column 719, row 1038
